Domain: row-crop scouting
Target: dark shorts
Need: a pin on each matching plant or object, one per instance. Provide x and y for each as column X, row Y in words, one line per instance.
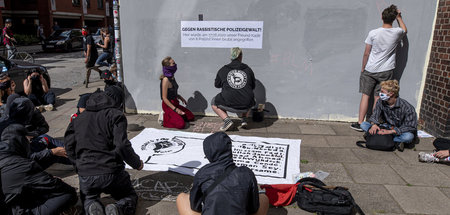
column 370, row 82
column 229, row 109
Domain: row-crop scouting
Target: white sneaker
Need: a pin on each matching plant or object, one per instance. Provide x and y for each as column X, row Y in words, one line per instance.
column 427, row 157
column 40, row 108
column 48, row 107
column 161, row 118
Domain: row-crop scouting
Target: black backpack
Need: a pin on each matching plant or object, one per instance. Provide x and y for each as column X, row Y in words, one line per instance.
column 378, row 142
column 313, row 196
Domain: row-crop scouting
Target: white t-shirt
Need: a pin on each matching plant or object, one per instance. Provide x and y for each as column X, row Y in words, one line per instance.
column 384, row 42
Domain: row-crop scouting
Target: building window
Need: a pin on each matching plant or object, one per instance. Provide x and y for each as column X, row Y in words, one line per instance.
column 100, row 4
column 88, row 3
column 76, row 3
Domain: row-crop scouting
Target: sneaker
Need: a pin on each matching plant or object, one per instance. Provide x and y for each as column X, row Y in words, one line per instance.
column 226, row 125
column 427, row 157
column 356, row 126
column 111, row 209
column 48, row 107
column 400, row 146
column 161, row 118
column 40, row 108
column 243, row 125
column 95, row 209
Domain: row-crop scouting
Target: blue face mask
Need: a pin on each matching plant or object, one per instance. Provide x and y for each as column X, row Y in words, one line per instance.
column 384, row 96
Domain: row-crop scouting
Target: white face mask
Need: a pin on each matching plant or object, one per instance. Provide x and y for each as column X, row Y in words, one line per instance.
column 384, row 96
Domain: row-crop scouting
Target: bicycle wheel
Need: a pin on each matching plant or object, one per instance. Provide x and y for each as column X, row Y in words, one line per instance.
column 23, row 56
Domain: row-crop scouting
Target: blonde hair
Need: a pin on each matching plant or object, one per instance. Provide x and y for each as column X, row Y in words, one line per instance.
column 165, row 62
column 391, row 86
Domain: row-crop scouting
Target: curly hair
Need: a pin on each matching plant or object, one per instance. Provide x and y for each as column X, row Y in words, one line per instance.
column 389, row 14
column 391, row 86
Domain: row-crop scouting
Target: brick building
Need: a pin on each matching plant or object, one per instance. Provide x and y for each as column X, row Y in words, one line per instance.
column 27, row 14
column 434, row 112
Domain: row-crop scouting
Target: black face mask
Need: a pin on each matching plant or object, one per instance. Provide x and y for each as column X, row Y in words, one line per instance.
column 35, row 78
column 5, row 85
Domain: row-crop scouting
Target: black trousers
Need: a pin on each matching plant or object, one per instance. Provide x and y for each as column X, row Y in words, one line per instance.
column 441, row 144
column 116, row 184
column 45, row 195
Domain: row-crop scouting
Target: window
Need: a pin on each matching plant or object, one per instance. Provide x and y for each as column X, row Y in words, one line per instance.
column 100, row 4
column 76, row 3
column 88, row 3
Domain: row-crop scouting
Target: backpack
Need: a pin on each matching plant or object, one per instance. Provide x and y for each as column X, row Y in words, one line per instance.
column 378, row 142
column 313, row 196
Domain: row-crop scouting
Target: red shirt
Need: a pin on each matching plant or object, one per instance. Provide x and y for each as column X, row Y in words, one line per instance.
column 6, row 40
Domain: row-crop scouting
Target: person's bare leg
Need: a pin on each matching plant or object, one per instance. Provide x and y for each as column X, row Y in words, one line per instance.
column 184, row 206
column 263, row 205
column 363, row 105
column 222, row 114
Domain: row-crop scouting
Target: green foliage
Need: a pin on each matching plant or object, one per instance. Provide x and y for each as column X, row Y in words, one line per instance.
column 23, row 39
column 304, row 161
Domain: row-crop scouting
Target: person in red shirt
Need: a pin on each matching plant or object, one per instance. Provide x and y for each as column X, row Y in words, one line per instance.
column 8, row 37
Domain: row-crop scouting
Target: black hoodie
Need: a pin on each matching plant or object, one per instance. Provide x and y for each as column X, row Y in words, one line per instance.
column 96, row 141
column 237, row 82
column 236, row 194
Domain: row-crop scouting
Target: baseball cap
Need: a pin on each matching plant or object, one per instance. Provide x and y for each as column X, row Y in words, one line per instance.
column 106, row 74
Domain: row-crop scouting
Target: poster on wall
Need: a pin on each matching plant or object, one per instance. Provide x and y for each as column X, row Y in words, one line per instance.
column 272, row 160
column 222, row 34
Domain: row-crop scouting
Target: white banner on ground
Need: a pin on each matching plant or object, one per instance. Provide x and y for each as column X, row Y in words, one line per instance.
column 222, row 34
column 273, row 160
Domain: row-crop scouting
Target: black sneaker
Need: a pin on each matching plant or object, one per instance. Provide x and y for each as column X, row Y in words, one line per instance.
column 111, row 209
column 356, row 126
column 400, row 146
column 96, row 209
column 226, row 125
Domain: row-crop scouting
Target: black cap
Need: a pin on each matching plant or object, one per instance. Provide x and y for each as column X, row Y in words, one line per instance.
column 8, row 20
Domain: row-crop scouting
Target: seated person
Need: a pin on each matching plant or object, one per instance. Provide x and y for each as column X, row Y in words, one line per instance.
column 36, row 88
column 27, row 188
column 7, row 87
column 175, row 115
column 440, row 155
column 393, row 115
column 107, row 44
column 237, row 82
column 220, row 200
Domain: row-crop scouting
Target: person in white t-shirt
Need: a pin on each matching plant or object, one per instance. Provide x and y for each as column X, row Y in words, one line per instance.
column 379, row 59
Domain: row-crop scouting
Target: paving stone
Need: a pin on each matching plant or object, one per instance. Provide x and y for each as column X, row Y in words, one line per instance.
column 278, row 135
column 343, row 129
column 373, row 174
column 377, row 157
column 443, row 168
column 316, row 129
column 343, row 141
column 372, row 198
column 310, row 140
column 336, row 170
column 411, row 157
column 446, row 191
column 420, row 200
column 425, row 144
column 289, row 128
column 307, row 155
column 422, row 175
column 335, row 155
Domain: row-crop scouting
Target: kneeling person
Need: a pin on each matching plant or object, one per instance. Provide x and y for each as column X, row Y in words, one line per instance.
column 393, row 115
column 219, row 199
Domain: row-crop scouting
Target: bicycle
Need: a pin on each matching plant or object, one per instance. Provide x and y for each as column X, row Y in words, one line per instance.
column 18, row 55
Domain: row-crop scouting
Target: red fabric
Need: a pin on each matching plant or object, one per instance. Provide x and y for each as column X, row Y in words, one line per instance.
column 174, row 120
column 280, row 194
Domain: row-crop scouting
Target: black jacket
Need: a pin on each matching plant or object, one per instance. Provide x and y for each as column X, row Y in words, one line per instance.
column 236, row 194
column 237, row 82
column 96, row 141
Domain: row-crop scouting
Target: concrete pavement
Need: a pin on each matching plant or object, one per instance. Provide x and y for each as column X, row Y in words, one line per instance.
column 381, row 182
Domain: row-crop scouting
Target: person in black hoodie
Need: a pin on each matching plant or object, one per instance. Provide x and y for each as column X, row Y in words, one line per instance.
column 236, row 194
column 237, row 82
column 27, row 188
column 96, row 141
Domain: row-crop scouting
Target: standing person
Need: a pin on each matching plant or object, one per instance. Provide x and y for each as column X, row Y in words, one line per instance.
column 96, row 141
column 106, row 44
column 40, row 33
column 175, row 115
column 90, row 53
column 234, row 191
column 55, row 26
column 36, row 88
column 8, row 37
column 237, row 81
column 379, row 59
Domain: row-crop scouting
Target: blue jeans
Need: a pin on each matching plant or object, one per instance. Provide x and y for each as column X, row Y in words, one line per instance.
column 105, row 56
column 48, row 98
column 405, row 137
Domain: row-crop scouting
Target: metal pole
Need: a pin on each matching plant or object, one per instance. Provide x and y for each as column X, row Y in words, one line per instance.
column 118, row 48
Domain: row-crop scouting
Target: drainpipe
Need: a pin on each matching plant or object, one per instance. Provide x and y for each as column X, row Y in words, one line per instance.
column 118, row 48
